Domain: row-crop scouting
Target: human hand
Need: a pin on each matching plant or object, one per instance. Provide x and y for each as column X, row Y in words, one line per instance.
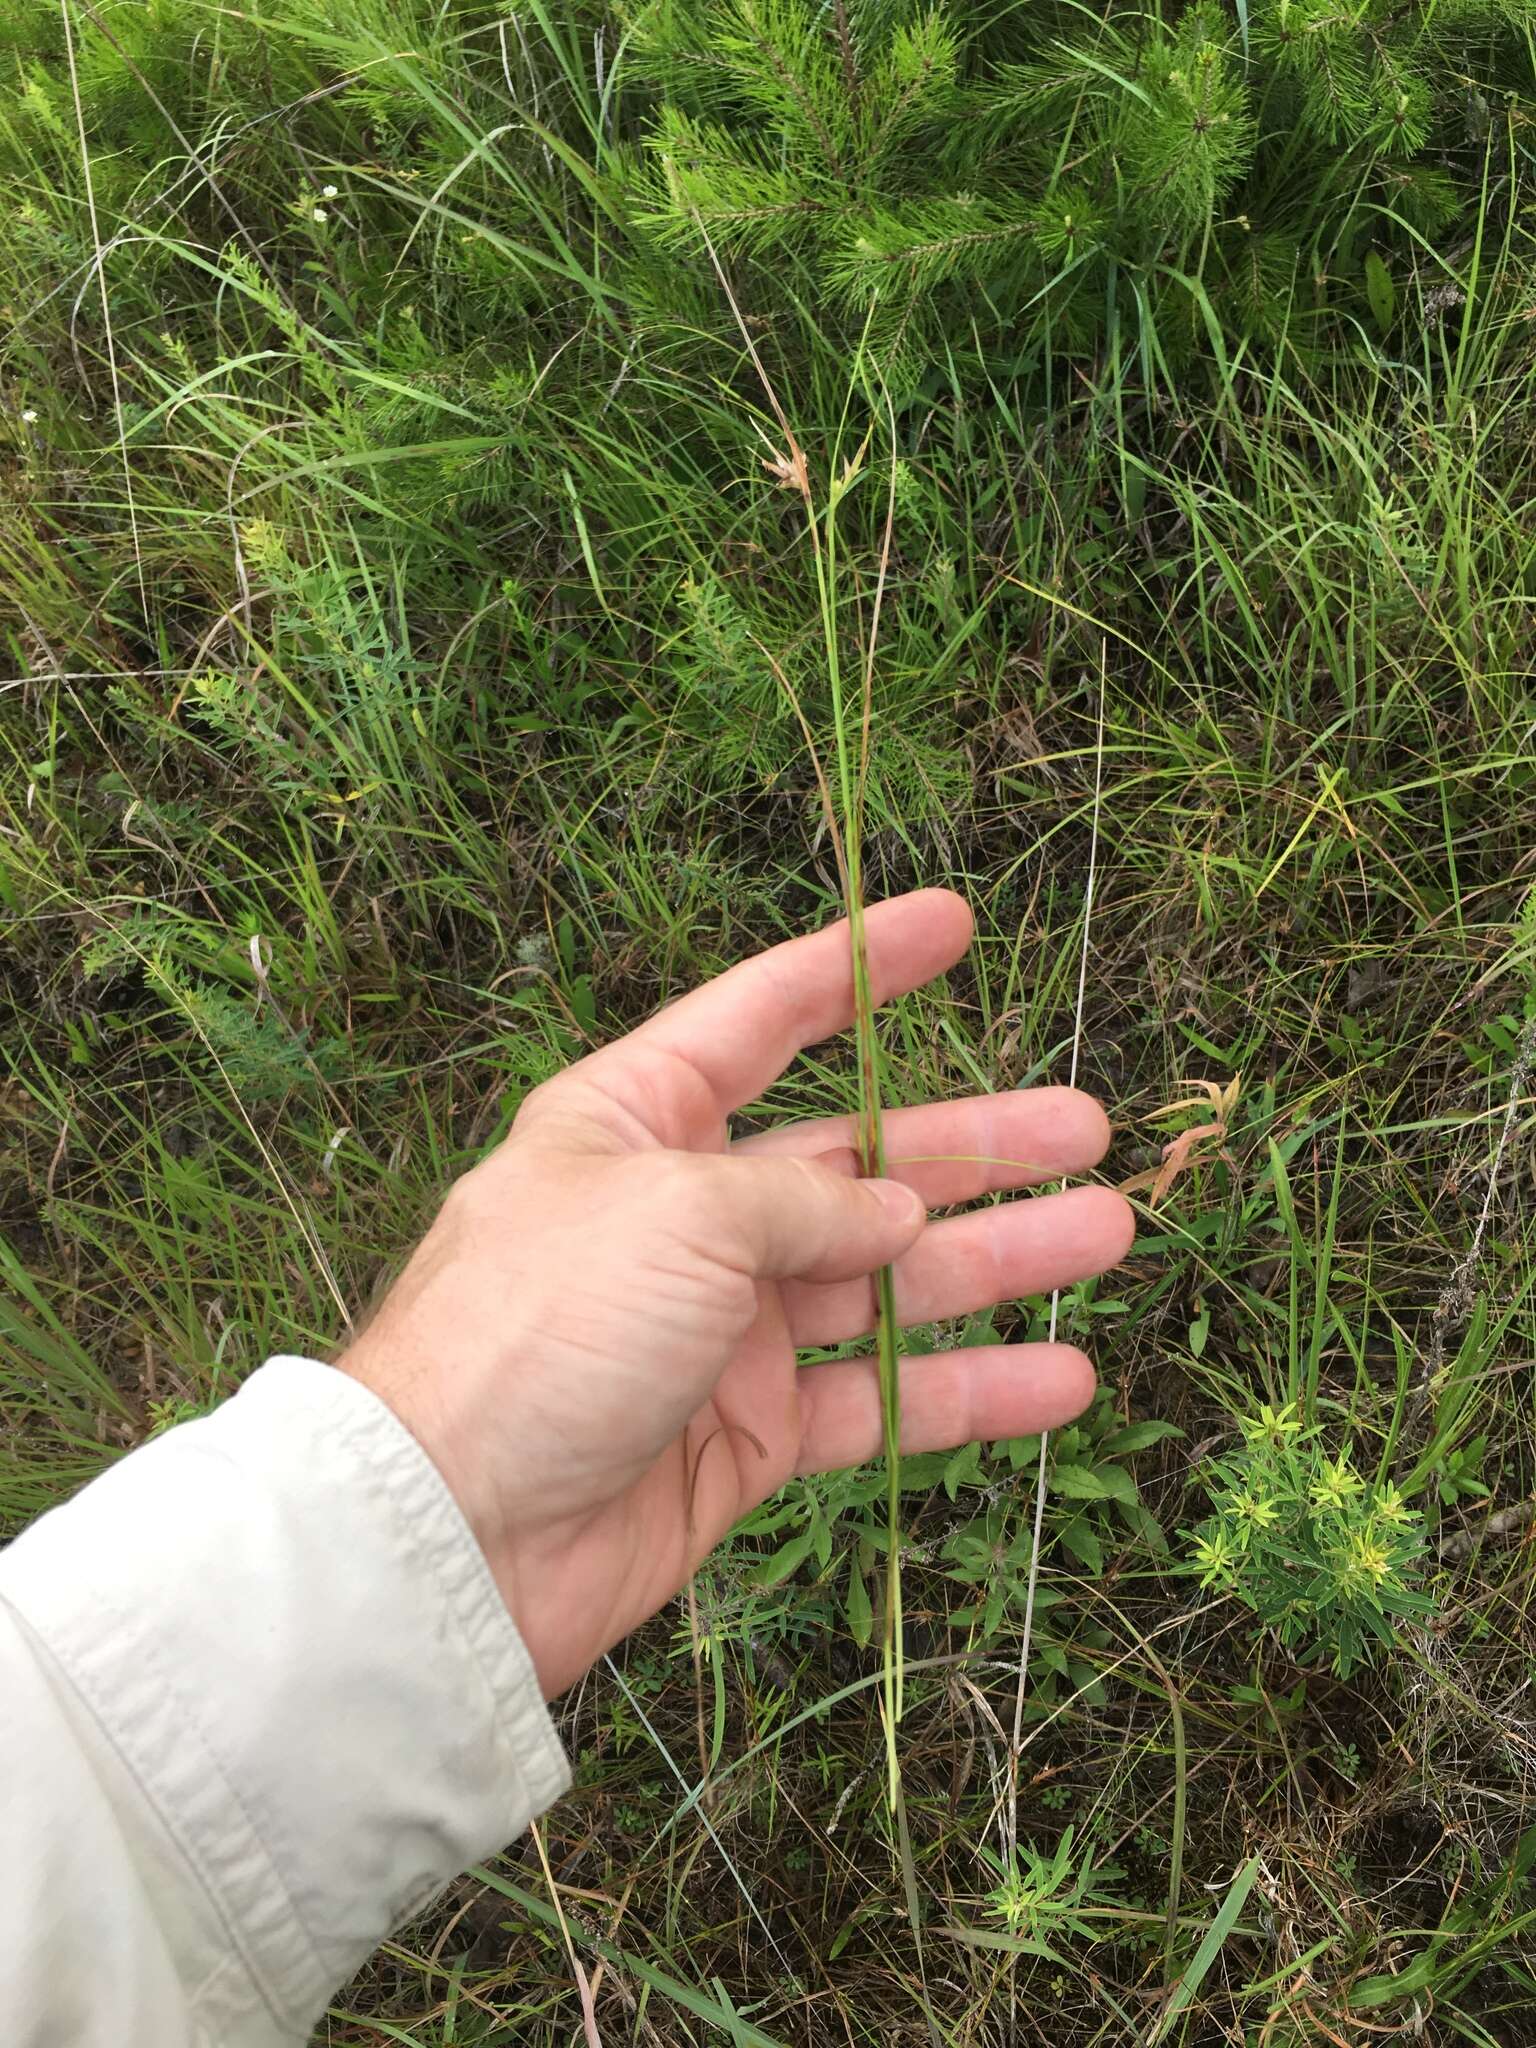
column 595, row 1341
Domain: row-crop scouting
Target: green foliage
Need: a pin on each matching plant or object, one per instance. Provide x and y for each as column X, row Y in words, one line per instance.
column 1458, row 1473
column 1025, row 184
column 1041, row 1894
column 451, row 686
column 1096, row 1508
column 827, row 1538
column 1324, row 1558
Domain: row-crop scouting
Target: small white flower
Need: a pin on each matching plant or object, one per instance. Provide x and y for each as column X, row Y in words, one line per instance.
column 29, row 417
column 328, row 192
column 319, row 213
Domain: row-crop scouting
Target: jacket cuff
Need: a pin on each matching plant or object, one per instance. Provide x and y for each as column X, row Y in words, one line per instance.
column 284, row 1625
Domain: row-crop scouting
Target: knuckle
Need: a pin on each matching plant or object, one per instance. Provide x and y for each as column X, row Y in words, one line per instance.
column 816, row 1180
column 1114, row 1214
column 464, row 1199
column 799, row 1187
column 685, row 1209
column 1097, row 1130
column 537, row 1101
column 790, row 1177
column 685, row 1186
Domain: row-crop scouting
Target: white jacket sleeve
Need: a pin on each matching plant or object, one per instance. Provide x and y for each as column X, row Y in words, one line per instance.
column 259, row 1701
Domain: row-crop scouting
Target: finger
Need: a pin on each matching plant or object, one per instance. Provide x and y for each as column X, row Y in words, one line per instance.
column 971, row 1262
column 777, row 1218
column 740, row 1031
column 954, row 1151
column 952, row 1397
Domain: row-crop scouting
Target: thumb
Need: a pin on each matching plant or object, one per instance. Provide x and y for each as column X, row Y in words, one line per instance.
column 794, row 1218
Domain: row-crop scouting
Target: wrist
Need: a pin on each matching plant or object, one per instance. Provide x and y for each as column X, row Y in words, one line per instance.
column 411, row 1391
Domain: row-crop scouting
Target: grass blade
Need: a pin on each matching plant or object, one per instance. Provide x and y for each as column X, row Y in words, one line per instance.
column 1210, row 1947
column 844, row 824
column 106, row 306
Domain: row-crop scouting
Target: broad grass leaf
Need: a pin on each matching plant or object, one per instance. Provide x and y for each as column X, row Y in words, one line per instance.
column 1380, row 291
column 1137, row 1436
column 1118, row 1484
column 859, row 1612
column 1078, row 1482
column 1094, row 1482
column 1082, row 1539
column 775, row 1569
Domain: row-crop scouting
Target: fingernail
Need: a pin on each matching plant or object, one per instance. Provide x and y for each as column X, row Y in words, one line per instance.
column 901, row 1203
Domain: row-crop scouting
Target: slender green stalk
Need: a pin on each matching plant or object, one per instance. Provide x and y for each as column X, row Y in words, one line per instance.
column 790, row 467
column 871, row 1137
column 1041, row 1476
column 871, row 1150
